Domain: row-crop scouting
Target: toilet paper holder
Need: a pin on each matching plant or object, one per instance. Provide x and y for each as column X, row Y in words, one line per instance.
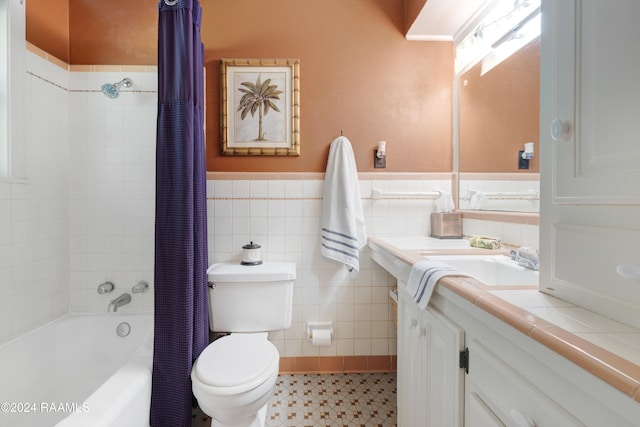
column 314, row 326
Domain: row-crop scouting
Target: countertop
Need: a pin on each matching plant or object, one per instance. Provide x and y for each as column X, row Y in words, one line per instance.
column 606, row 348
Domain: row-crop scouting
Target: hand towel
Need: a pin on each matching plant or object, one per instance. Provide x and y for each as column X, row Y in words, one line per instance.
column 343, row 228
column 423, row 278
column 485, row 242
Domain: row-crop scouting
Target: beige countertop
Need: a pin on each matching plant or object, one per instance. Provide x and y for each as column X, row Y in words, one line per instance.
column 606, row 348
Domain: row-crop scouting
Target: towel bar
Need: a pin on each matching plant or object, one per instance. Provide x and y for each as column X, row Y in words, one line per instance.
column 379, row 194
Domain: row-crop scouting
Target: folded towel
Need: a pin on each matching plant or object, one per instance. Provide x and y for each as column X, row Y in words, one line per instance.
column 343, row 228
column 485, row 242
column 423, row 278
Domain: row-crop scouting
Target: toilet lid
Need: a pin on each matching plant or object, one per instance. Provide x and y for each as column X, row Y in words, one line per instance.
column 236, row 359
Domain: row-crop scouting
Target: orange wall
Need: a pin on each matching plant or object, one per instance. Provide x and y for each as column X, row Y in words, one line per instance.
column 358, row 73
column 499, row 112
column 48, row 26
column 113, row 32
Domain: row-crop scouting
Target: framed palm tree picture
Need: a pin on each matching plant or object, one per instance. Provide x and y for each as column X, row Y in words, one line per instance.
column 260, row 107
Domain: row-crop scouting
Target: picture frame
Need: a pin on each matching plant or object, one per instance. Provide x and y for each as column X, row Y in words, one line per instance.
column 260, row 107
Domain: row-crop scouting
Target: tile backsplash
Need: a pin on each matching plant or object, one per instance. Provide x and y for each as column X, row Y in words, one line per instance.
column 283, row 214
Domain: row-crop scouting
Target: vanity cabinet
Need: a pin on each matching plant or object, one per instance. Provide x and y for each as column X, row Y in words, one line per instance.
column 590, row 157
column 498, row 395
column 430, row 381
column 434, row 390
column 511, row 380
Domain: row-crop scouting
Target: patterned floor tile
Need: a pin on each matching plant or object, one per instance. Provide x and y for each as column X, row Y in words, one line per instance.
column 328, row 400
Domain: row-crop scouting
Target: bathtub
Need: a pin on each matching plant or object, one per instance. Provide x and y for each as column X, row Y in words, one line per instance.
column 78, row 372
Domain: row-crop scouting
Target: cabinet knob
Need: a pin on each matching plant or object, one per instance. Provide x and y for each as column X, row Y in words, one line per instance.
column 413, row 322
column 559, row 129
column 520, row 419
column 423, row 331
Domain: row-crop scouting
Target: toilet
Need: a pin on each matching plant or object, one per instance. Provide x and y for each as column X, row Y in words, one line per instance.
column 234, row 376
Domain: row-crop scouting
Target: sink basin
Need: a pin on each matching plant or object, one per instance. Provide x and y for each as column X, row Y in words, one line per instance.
column 498, row 270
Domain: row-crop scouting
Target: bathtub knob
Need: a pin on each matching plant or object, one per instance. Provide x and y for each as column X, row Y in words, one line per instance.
column 105, row 288
column 140, row 287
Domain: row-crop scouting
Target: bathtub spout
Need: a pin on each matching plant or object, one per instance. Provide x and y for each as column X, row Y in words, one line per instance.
column 119, row 302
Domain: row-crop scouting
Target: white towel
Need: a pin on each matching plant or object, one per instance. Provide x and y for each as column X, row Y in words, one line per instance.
column 423, row 278
column 343, row 228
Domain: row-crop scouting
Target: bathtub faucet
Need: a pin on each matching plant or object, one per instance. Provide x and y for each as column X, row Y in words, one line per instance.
column 119, row 302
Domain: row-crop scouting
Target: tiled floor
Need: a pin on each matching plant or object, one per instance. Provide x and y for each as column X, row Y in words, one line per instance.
column 329, row 400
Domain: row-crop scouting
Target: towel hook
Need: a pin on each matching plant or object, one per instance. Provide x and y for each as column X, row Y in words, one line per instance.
column 341, row 134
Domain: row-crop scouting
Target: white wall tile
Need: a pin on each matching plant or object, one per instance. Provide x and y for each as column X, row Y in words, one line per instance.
column 112, row 191
column 34, row 216
column 99, row 191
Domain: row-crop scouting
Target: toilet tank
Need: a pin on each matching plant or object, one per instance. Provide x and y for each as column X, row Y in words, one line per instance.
column 251, row 298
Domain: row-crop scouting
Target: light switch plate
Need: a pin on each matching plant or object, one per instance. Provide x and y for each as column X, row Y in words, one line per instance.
column 377, row 162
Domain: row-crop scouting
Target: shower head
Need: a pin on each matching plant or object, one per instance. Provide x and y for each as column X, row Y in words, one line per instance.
column 112, row 90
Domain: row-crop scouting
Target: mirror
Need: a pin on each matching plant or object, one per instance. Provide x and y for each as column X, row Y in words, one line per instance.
column 498, row 112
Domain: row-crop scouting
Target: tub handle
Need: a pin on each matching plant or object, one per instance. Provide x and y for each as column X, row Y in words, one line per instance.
column 105, row 288
column 140, row 287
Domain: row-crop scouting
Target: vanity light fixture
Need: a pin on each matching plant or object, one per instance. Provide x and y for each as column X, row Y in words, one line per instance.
column 505, row 27
column 515, row 32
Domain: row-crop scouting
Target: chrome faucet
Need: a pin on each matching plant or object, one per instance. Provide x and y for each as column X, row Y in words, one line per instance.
column 119, row 302
column 526, row 257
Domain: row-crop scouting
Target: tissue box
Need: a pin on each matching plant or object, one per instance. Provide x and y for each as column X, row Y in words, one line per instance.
column 446, row 225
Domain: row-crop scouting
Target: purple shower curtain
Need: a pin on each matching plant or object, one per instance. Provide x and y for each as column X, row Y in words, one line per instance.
column 180, row 277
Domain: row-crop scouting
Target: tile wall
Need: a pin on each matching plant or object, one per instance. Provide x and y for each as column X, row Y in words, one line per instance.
column 111, row 188
column 86, row 215
column 282, row 212
column 34, row 220
column 500, row 192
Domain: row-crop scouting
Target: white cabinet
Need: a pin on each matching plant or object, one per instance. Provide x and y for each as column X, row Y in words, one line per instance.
column 430, row 380
column 513, row 379
column 594, row 93
column 590, row 155
column 434, row 391
column 496, row 394
column 476, row 412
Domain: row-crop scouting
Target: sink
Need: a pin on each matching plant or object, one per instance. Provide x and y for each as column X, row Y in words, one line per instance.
column 498, row 270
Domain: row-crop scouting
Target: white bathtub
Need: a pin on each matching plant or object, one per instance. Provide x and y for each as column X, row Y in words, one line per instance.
column 77, row 372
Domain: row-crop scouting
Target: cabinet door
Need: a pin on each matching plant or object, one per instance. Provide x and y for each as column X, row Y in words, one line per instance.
column 408, row 361
column 593, row 124
column 590, row 201
column 442, row 342
column 430, row 381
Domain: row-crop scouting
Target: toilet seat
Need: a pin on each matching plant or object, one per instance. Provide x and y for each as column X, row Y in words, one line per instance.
column 236, row 363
